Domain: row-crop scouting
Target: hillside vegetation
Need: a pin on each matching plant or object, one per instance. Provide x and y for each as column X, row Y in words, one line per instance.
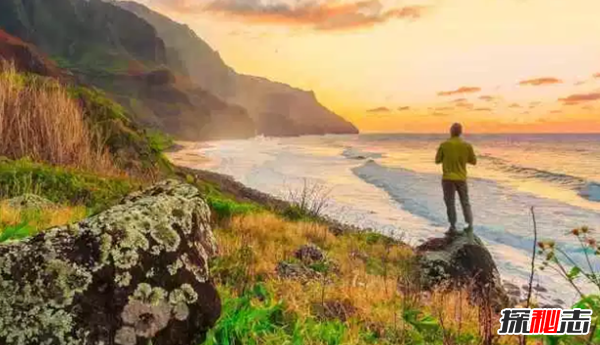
column 39, row 119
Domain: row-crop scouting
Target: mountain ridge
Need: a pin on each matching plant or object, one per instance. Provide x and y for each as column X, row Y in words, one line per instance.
column 277, row 108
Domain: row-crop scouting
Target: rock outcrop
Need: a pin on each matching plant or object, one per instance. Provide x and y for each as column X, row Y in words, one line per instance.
column 26, row 57
column 462, row 262
column 134, row 274
column 30, row 202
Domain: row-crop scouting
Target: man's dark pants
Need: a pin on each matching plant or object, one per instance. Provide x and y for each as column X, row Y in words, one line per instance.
column 450, row 189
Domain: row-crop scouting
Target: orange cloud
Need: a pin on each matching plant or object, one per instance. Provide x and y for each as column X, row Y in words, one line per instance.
column 487, row 98
column 556, row 112
column 460, row 90
column 379, row 110
column 597, row 75
column 316, row 14
column 459, row 100
column 579, row 98
column 514, row 105
column 540, row 81
column 482, row 109
column 403, row 108
column 466, row 105
column 443, row 108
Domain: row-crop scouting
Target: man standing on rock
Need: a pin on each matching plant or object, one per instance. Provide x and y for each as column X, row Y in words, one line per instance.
column 454, row 154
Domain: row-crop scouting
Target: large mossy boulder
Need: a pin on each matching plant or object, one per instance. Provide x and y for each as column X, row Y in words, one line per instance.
column 462, row 262
column 136, row 273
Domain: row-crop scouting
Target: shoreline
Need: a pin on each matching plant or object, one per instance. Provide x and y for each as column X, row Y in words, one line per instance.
column 244, row 193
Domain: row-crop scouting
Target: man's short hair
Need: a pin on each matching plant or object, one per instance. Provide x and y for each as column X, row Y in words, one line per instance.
column 456, row 130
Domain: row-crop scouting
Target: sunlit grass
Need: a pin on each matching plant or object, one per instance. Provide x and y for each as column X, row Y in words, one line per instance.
column 373, row 275
column 39, row 219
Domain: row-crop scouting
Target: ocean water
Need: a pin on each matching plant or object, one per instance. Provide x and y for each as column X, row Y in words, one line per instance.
column 389, row 182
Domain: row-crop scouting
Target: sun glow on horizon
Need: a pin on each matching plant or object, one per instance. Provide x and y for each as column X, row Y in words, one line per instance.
column 416, row 66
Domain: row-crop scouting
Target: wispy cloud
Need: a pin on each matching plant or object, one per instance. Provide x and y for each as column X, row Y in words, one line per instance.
column 487, row 98
column 482, row 109
column 514, row 105
column 379, row 110
column 580, row 98
column 459, row 100
column 322, row 15
column 403, row 108
column 465, row 105
column 460, row 90
column 597, row 76
column 540, row 81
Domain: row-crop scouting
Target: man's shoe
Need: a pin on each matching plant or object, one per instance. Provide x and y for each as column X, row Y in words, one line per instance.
column 469, row 233
column 451, row 232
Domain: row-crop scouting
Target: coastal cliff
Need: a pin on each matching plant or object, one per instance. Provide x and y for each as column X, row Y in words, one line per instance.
column 276, row 108
column 106, row 46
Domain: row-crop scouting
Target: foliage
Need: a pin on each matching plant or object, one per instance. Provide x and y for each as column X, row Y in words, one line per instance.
column 260, row 306
column 224, row 208
column 308, row 202
column 39, row 119
column 256, row 317
column 158, row 140
column 15, row 232
column 576, row 274
column 134, row 149
column 61, row 185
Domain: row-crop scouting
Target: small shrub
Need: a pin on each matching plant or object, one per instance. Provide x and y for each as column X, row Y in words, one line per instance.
column 309, row 202
column 224, row 209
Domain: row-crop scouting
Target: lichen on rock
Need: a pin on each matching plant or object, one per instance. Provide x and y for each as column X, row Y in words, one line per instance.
column 133, row 273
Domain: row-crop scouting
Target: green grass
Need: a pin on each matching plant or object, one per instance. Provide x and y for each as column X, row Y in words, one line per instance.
column 224, row 208
column 16, row 232
column 61, row 185
column 256, row 318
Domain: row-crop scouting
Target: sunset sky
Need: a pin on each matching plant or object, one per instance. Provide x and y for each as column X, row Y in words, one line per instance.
column 418, row 65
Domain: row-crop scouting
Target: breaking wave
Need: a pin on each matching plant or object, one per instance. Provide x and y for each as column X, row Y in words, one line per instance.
column 589, row 190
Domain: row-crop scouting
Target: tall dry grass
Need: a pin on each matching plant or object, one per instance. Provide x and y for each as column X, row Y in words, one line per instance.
column 380, row 296
column 39, row 120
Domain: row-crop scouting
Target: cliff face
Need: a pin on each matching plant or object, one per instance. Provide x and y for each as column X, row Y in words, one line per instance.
column 277, row 109
column 25, row 56
column 115, row 50
column 91, row 35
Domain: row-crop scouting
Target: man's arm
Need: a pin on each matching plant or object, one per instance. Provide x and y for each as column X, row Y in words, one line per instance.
column 472, row 157
column 439, row 157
